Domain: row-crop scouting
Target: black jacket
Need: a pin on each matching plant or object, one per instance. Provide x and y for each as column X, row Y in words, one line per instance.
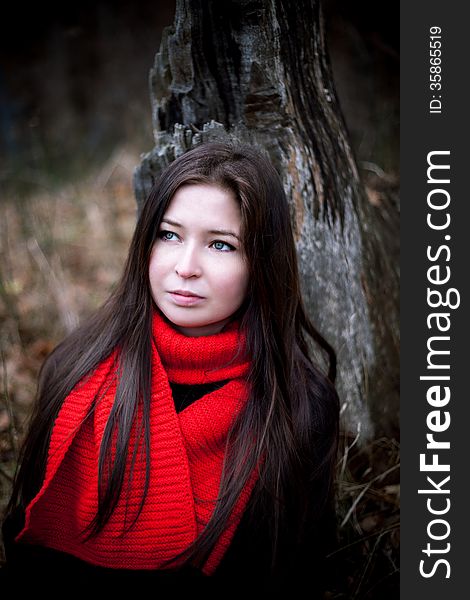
column 247, row 561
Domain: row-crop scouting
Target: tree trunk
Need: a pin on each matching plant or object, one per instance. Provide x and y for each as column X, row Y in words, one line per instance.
column 258, row 71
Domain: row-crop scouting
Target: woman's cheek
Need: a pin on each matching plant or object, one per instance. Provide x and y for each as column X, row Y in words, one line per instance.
column 234, row 281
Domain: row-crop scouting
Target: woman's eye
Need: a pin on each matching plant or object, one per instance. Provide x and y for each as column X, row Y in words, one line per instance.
column 223, row 246
column 168, row 236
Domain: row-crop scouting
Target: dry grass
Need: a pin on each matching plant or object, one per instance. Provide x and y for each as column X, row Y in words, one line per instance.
column 62, row 250
column 365, row 564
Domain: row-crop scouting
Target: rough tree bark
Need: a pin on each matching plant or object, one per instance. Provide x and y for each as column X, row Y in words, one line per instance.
column 258, row 71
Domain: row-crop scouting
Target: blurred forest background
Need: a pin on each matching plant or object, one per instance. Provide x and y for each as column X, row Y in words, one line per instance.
column 74, row 119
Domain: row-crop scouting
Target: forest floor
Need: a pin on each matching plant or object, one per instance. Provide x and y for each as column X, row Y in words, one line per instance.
column 62, row 250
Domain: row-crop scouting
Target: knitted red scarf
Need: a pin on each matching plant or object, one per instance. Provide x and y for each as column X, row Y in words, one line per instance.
column 187, row 454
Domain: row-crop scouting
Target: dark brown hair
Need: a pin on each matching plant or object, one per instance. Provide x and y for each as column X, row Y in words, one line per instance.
column 290, row 423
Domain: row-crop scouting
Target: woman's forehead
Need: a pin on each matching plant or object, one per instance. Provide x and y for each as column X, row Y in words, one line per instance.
column 206, row 204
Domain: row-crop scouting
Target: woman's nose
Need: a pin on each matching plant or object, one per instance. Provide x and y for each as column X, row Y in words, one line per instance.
column 188, row 264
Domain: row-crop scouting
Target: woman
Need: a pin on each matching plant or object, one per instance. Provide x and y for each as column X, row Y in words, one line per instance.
column 183, row 430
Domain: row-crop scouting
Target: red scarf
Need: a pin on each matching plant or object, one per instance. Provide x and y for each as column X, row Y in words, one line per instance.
column 187, row 454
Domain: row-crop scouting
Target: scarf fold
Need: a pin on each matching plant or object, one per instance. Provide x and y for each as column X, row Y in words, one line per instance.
column 187, row 451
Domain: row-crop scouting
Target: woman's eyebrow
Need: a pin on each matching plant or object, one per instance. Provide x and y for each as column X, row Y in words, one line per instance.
column 224, row 232
column 171, row 222
column 213, row 231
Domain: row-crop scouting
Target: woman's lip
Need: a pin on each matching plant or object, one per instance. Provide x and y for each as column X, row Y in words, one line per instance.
column 185, row 293
column 181, row 300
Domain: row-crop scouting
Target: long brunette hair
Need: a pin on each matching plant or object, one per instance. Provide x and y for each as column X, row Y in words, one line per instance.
column 289, row 427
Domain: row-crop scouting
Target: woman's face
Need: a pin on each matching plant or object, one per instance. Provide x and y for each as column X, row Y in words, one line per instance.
column 198, row 273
